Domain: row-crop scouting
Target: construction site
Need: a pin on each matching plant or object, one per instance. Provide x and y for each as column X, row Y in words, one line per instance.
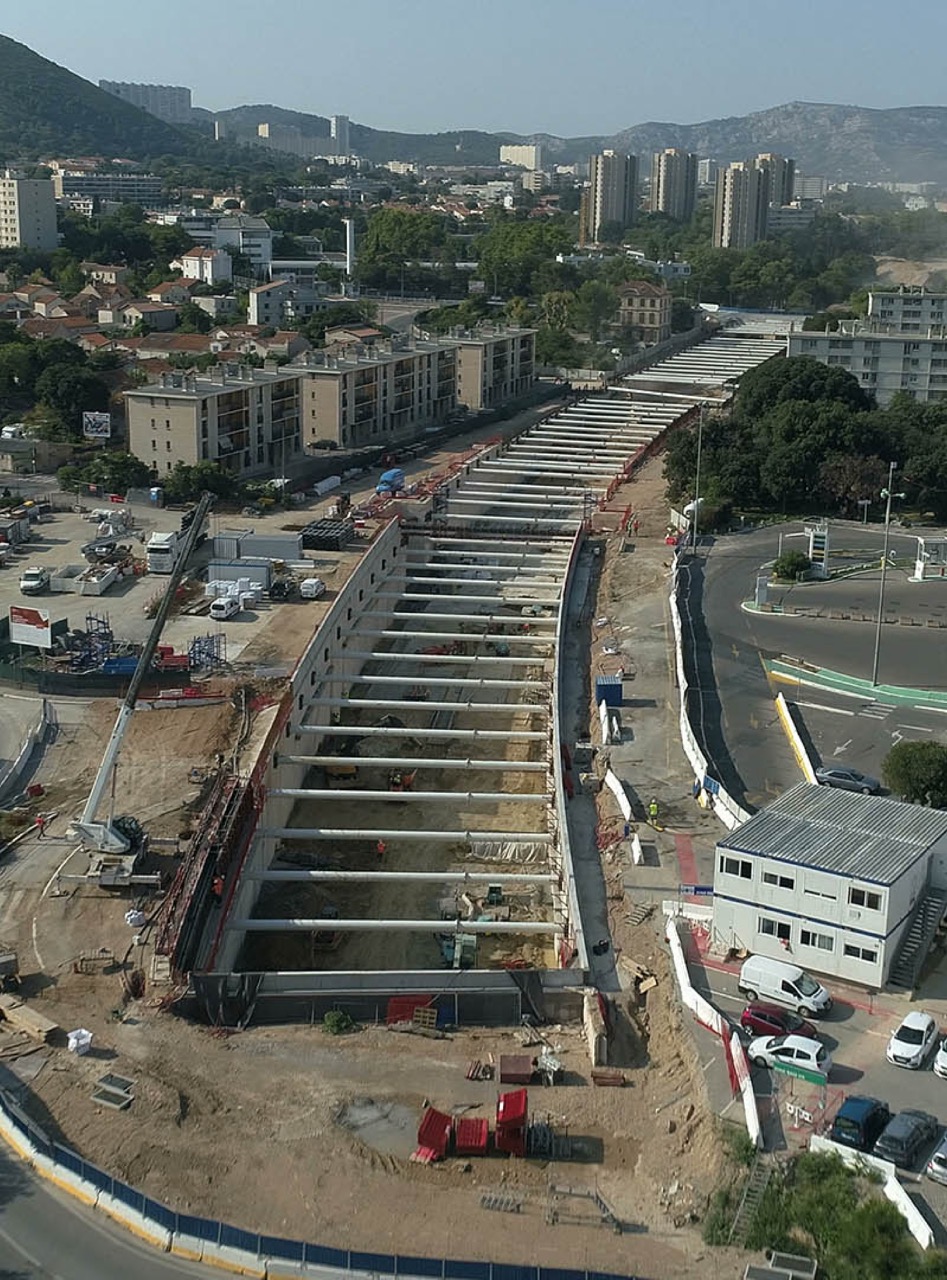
column 394, row 848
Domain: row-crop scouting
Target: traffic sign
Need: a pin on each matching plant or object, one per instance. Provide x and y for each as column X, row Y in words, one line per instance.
column 711, row 785
column 695, row 890
column 799, row 1073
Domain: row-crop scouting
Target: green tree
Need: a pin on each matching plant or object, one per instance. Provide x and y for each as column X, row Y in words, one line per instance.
column 595, row 306
column 790, row 564
column 917, row 771
column 800, row 378
column 115, row 472
column 69, row 391
column 194, row 319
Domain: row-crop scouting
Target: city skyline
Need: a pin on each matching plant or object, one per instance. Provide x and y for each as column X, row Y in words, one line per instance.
column 552, row 71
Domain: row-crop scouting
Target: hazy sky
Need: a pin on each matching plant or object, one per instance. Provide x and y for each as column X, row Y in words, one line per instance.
column 558, row 66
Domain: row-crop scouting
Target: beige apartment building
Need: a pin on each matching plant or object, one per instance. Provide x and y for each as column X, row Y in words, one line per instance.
column 389, row 391
column 247, row 420
column 27, row 212
column 494, row 364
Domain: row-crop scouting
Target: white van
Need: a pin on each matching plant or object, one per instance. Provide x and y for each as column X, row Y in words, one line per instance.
column 765, row 979
column 312, row 588
column 224, row 607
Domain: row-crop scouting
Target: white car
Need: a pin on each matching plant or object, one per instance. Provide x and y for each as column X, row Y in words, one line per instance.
column 911, row 1043
column 940, row 1062
column 797, row 1051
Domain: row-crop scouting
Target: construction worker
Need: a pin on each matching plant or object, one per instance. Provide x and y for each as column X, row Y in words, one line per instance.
column 381, row 849
column 40, row 826
column 217, row 889
column 653, row 811
column 395, row 781
column 635, row 526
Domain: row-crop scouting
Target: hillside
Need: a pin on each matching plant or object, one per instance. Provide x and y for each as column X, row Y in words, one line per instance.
column 47, row 110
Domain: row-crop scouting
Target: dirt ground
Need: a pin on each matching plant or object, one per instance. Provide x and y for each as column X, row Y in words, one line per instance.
column 327, row 1124
column 895, row 271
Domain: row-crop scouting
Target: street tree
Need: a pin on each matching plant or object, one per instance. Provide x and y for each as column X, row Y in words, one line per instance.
column 917, row 771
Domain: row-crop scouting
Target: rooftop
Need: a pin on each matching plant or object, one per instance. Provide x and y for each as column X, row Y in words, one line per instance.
column 227, row 377
column 873, row 838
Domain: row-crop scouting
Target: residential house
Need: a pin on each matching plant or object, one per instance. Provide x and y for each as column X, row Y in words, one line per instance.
column 172, row 292
column 69, row 328
column 205, row 264
column 644, row 311
column 155, row 315
column 105, row 272
column 346, row 335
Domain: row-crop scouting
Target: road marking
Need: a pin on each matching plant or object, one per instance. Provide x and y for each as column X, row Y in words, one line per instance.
column 896, row 738
column 709, row 1063
column 942, row 710
column 918, row 728
column 843, row 748
column 820, row 706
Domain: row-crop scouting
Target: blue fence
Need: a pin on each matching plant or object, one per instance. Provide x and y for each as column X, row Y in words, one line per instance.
column 264, row 1246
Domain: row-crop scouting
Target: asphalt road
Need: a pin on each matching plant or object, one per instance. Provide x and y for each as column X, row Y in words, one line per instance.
column 856, row 1036
column 745, row 740
column 45, row 1235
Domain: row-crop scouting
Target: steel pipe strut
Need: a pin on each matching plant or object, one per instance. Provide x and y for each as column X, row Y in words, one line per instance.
column 407, row 877
column 461, row 682
column 392, row 833
column 455, row 659
column 428, row 797
column 421, row 762
column 380, row 731
column 408, row 926
column 380, row 704
column 472, row 636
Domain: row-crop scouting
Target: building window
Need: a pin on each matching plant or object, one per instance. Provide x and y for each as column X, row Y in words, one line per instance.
column 773, row 928
column 154, row 445
column 168, row 445
column 736, row 867
column 813, row 891
column 821, row 941
column 781, row 882
column 864, row 898
column 851, row 952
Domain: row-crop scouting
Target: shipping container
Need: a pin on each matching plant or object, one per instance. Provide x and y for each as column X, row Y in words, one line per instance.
column 609, row 689
column 256, row 572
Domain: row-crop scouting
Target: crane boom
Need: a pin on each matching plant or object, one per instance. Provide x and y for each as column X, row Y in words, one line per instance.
column 103, row 835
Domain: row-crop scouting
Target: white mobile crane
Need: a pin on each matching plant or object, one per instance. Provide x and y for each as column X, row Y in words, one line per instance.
column 117, row 841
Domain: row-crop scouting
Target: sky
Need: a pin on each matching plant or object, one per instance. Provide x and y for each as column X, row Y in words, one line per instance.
column 567, row 67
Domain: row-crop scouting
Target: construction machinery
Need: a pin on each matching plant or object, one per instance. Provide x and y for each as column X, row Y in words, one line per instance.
column 117, row 842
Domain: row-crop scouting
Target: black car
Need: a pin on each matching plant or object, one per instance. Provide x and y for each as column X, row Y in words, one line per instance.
column 859, row 1122
column 905, row 1137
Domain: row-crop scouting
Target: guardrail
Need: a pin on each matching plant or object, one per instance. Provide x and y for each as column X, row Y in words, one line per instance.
column 223, row 1245
column 795, row 739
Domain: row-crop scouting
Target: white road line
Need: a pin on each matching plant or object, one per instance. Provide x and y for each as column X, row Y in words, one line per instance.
column 941, row 710
column 819, row 706
column 709, row 1063
column 918, row 728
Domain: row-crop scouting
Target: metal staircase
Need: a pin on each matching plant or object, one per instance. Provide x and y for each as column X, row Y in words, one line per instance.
column 756, row 1183
column 917, row 939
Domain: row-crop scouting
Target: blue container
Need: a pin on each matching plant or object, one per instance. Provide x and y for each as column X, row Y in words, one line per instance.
column 121, row 666
column 608, row 689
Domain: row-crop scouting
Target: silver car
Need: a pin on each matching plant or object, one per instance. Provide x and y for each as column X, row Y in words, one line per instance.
column 936, row 1167
column 848, row 780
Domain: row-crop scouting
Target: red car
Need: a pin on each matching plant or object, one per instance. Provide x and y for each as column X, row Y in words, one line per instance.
column 771, row 1020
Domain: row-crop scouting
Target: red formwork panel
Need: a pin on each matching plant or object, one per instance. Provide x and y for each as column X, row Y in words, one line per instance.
column 434, row 1131
column 401, row 1008
column 471, row 1137
column 512, row 1122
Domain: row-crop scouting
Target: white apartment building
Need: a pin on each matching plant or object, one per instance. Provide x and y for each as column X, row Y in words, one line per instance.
column 884, row 361
column 741, row 201
column 706, row 172
column 27, row 212
column 203, row 263
column 830, row 880
column 528, row 155
column 252, row 237
column 168, row 102
column 674, row 183
column 284, row 304
column 339, row 133
column 124, row 188
column 909, row 309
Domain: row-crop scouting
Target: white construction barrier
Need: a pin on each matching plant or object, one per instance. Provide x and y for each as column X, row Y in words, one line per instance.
column 636, row 850
column 795, row 739
column 617, row 789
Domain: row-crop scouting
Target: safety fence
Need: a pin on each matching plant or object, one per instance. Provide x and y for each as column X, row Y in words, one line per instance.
column 730, row 813
column 11, row 772
column 738, row 1068
column 223, row 1245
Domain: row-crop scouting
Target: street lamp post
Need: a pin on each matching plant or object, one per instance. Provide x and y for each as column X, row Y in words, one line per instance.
column 700, row 442
column 887, row 495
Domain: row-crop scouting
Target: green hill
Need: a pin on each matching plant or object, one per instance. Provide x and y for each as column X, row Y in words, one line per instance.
column 47, row 110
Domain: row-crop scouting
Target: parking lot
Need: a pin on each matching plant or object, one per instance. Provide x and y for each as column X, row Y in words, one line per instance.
column 856, row 1033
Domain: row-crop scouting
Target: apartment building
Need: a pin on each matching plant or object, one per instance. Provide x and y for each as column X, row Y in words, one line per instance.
column 644, row 311
column 741, row 204
column 339, row 134
column 782, row 176
column 206, row 264
column 885, row 360
column 784, row 218
column 247, row 420
column 525, row 155
column 494, row 364
column 829, row 880
column 612, row 194
column 283, row 303
column 390, row 391
column 706, row 172
column 247, row 235
column 123, row 188
column 909, row 309
column 168, row 102
column 674, row 183
column 27, row 212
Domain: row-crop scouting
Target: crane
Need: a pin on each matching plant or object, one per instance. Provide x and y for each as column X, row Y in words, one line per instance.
column 106, row 837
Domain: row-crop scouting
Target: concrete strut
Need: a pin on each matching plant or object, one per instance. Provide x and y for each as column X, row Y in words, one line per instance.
column 482, row 636
column 421, row 762
column 428, row 797
column 460, row 682
column 476, row 517
column 543, row 544
column 408, row 877
column 256, row 925
column 392, row 833
column 380, row 731
column 446, row 566
column 515, row 601
column 383, row 704
column 502, row 619
column 455, row 659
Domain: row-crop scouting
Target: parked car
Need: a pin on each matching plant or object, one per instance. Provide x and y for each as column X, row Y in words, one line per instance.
column 913, row 1040
column 905, row 1137
column 860, row 1122
column 770, row 1020
column 940, row 1061
column 34, row 580
column 848, row 780
column 784, row 982
column 797, row 1051
column 937, row 1165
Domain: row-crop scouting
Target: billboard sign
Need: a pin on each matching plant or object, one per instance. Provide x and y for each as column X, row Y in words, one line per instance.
column 97, row 426
column 30, row 626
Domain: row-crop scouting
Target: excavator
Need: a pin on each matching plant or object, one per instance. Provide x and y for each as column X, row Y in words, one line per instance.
column 115, row 843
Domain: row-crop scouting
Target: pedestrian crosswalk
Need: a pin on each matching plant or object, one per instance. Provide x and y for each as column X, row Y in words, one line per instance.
column 877, row 710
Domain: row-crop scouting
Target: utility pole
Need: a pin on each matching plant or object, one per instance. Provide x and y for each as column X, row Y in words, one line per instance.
column 700, row 442
column 887, row 495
